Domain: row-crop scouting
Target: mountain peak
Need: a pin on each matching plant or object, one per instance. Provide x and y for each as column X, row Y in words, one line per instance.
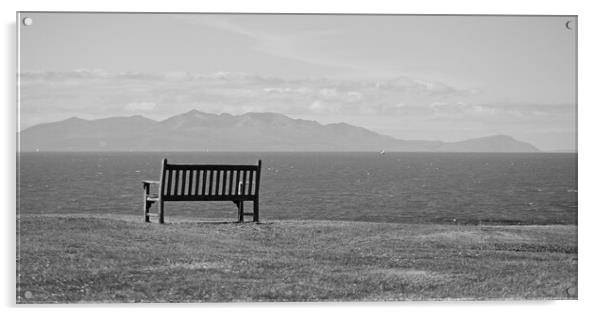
column 265, row 115
column 137, row 117
column 493, row 143
column 74, row 119
column 266, row 118
column 255, row 131
column 499, row 136
column 193, row 112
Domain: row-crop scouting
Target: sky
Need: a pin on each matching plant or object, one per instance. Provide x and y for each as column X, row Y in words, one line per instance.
column 445, row 78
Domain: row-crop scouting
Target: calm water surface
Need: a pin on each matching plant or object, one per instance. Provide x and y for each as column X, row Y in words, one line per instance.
column 397, row 187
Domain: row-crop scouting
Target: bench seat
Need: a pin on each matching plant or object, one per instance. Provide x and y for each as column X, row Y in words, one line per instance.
column 152, row 197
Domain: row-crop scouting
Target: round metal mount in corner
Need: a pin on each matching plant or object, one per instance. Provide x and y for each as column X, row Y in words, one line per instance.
column 27, row 21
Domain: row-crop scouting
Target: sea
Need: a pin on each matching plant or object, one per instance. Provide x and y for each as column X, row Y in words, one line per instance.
column 447, row 188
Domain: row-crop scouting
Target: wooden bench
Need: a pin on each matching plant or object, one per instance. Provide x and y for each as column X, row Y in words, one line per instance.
column 198, row 182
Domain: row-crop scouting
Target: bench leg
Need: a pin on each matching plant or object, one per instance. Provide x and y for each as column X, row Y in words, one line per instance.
column 145, row 209
column 145, row 204
column 161, row 212
column 241, row 210
column 256, row 210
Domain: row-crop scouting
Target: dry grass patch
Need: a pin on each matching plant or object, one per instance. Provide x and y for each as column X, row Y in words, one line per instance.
column 80, row 258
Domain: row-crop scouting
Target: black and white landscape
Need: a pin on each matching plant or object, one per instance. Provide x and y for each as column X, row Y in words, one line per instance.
column 369, row 158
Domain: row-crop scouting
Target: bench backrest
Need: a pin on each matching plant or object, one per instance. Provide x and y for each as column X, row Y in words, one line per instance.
column 198, row 182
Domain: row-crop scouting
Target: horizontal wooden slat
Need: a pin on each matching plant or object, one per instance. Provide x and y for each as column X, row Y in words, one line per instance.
column 209, row 198
column 209, row 167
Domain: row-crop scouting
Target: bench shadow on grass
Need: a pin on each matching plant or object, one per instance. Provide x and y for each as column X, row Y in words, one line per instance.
column 204, row 222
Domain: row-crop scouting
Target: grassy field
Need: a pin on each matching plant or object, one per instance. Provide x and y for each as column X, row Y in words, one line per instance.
column 79, row 258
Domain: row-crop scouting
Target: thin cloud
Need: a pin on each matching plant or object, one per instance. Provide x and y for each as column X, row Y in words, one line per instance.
column 293, row 45
column 141, row 107
column 97, row 93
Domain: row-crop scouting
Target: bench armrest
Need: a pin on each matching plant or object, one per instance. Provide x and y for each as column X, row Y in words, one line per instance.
column 147, row 183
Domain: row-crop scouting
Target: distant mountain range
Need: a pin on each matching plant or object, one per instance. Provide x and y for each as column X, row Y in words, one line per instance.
column 198, row 131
